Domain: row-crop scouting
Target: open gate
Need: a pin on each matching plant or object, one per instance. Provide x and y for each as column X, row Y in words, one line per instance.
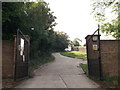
column 22, row 56
column 94, row 55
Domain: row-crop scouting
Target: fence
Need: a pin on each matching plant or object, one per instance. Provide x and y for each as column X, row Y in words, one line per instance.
column 15, row 56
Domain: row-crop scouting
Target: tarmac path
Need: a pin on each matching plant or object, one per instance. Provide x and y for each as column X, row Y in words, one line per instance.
column 64, row 72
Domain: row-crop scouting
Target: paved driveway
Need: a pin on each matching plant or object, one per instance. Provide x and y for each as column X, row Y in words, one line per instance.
column 64, row 72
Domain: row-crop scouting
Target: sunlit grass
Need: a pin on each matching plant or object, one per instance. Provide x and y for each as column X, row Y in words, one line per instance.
column 85, row 68
column 75, row 54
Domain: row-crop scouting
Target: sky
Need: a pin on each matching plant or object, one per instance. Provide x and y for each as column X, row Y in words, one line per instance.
column 74, row 18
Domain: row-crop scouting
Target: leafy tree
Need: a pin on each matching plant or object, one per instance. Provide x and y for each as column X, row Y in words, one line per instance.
column 110, row 28
column 42, row 21
column 76, row 42
column 10, row 18
column 61, row 41
column 26, row 16
column 35, row 20
column 84, row 45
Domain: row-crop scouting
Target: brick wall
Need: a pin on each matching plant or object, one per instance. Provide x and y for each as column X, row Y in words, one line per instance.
column 7, row 58
column 109, row 57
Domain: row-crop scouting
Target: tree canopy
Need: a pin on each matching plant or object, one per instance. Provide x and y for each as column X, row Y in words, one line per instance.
column 37, row 21
column 61, row 41
column 75, row 42
column 109, row 27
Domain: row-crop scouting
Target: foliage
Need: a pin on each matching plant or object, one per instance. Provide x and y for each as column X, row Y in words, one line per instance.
column 111, row 82
column 75, row 42
column 61, row 41
column 10, row 18
column 75, row 54
column 109, row 27
column 35, row 20
column 84, row 45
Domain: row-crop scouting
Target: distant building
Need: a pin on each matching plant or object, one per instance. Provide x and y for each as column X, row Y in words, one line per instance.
column 69, row 48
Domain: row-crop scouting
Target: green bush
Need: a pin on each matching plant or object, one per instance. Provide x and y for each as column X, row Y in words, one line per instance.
column 113, row 81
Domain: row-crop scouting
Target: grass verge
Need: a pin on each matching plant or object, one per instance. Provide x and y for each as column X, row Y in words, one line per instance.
column 107, row 82
column 112, row 82
column 85, row 68
column 75, row 54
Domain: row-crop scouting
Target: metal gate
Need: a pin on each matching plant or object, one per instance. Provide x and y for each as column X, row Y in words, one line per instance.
column 94, row 54
column 22, row 56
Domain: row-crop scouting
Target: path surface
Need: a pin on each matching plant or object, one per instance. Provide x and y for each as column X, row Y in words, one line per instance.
column 62, row 73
